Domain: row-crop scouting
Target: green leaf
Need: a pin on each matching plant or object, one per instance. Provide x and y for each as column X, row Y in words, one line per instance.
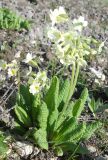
column 63, row 93
column 3, row 146
column 90, row 129
column 73, row 136
column 42, row 116
column 35, row 108
column 66, row 127
column 84, row 95
column 80, row 149
column 67, row 114
column 18, row 128
column 40, row 137
column 79, row 104
column 58, row 151
column 76, row 108
column 51, row 99
column 92, row 105
column 9, row 20
column 27, row 96
column 22, row 116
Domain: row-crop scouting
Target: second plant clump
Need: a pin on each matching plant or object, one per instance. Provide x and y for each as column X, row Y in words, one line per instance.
column 10, row 20
column 51, row 117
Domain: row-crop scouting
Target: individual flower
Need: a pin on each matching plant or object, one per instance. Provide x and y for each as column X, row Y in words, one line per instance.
column 34, row 88
column 12, row 72
column 2, row 77
column 58, row 15
column 38, row 82
column 53, row 33
column 28, row 58
column 12, row 64
column 12, row 68
column 3, row 64
column 79, row 23
column 42, row 77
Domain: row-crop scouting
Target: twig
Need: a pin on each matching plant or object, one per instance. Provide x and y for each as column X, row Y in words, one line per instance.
column 9, row 96
column 2, row 98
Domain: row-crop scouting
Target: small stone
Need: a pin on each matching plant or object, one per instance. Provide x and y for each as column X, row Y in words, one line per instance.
column 92, row 149
column 55, row 158
column 36, row 151
column 24, row 149
column 102, row 158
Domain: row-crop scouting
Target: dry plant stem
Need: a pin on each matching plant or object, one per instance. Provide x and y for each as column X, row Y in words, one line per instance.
column 4, row 102
column 2, row 98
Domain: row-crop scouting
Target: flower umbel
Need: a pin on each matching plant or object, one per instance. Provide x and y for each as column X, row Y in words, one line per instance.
column 71, row 45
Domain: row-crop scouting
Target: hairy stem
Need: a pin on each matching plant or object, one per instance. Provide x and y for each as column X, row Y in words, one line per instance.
column 74, row 77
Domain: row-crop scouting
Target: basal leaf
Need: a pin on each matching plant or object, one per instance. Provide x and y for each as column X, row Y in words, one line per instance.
column 90, row 129
column 22, row 116
column 3, row 147
column 73, row 136
column 79, row 104
column 43, row 116
column 63, row 93
column 58, row 150
column 66, row 127
column 40, row 137
column 71, row 147
column 51, row 99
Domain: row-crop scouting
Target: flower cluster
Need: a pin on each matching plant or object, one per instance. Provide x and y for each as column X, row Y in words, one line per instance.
column 37, row 83
column 71, row 46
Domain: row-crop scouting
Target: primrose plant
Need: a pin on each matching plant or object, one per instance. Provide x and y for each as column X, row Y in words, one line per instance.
column 71, row 47
column 51, row 117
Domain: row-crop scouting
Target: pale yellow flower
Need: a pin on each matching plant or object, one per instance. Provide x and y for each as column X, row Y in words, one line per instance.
column 58, row 15
column 3, row 64
column 37, row 83
column 12, row 72
column 80, row 23
column 28, row 58
column 34, row 88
